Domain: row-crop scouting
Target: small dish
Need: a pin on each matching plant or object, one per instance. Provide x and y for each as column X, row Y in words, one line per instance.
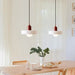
column 54, row 66
column 51, row 65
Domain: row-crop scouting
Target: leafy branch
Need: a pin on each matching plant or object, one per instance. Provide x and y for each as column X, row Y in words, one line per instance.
column 39, row 51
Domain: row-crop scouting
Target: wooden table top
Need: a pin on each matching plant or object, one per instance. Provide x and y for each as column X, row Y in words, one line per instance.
column 21, row 70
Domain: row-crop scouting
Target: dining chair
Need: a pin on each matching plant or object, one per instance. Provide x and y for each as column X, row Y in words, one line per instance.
column 70, row 71
column 60, row 72
column 22, row 62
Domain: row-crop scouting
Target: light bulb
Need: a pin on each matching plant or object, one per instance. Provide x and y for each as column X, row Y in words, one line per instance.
column 29, row 35
column 55, row 35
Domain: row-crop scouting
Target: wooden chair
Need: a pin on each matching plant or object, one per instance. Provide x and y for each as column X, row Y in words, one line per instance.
column 23, row 62
column 60, row 72
column 70, row 71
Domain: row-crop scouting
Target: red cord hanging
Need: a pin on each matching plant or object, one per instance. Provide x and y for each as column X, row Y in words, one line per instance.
column 29, row 27
column 55, row 28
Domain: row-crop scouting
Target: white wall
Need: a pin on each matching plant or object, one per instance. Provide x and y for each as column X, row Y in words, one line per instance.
column 42, row 20
column 70, row 49
column 20, row 45
column 4, row 22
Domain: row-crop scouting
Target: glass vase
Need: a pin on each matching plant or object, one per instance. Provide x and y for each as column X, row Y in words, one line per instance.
column 41, row 61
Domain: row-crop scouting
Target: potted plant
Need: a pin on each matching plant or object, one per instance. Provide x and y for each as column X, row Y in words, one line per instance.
column 42, row 53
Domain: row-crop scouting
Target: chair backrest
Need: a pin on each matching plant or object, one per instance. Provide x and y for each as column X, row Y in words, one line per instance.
column 70, row 71
column 23, row 62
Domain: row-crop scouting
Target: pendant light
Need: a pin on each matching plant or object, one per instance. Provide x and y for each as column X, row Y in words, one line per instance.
column 55, row 32
column 29, row 32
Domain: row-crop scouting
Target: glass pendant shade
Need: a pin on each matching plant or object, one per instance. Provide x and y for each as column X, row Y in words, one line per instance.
column 55, row 32
column 29, row 32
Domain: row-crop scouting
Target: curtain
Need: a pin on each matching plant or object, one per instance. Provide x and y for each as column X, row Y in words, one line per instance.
column 4, row 47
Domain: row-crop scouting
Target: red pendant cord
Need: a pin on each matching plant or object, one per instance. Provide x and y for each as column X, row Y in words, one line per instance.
column 29, row 26
column 55, row 28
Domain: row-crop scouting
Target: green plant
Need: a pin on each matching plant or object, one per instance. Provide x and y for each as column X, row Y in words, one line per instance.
column 39, row 51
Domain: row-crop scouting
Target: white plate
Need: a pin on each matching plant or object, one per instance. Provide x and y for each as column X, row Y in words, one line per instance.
column 37, row 69
column 54, row 66
column 49, row 65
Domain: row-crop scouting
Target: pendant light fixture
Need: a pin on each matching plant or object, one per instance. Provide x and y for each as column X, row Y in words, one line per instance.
column 29, row 32
column 55, row 32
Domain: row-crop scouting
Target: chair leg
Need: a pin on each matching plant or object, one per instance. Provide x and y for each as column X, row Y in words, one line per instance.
column 59, row 73
column 64, row 72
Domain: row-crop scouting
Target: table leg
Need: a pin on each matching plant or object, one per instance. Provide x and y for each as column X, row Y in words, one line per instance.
column 59, row 73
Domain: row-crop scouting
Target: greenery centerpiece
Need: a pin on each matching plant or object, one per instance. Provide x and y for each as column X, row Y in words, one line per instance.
column 42, row 53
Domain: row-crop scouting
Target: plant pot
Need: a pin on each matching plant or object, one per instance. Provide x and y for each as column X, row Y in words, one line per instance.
column 41, row 61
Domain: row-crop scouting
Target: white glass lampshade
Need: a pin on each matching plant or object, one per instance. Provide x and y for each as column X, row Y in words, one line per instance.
column 28, row 33
column 55, row 33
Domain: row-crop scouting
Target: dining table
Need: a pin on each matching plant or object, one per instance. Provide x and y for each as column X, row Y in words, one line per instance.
column 22, row 70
